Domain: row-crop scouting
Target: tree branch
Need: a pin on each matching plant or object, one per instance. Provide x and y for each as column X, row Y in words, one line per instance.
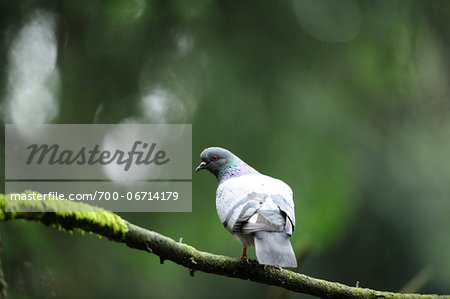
column 115, row 228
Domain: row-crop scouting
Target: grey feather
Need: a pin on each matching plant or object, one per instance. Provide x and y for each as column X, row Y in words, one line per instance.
column 248, row 211
column 271, row 230
column 284, row 206
column 228, row 219
column 274, row 248
column 274, row 217
column 269, row 218
column 248, row 207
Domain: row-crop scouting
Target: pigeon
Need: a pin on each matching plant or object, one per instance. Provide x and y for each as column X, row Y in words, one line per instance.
column 256, row 209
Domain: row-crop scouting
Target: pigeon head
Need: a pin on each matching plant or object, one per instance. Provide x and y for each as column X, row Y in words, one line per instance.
column 223, row 163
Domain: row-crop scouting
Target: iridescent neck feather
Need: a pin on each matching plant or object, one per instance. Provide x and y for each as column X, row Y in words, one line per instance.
column 235, row 168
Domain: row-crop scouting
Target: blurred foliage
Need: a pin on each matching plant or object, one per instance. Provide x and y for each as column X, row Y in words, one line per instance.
column 348, row 103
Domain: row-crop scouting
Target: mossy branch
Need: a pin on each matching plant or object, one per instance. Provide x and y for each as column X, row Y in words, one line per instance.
column 110, row 225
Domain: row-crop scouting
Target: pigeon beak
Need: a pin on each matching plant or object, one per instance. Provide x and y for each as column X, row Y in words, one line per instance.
column 201, row 166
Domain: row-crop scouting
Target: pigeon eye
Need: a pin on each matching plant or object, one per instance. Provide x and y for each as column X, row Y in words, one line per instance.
column 214, row 158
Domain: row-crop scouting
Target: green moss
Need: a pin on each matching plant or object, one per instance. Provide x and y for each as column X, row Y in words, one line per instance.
column 2, row 206
column 65, row 215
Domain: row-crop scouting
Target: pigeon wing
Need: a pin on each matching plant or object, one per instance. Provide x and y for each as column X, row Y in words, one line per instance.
column 261, row 213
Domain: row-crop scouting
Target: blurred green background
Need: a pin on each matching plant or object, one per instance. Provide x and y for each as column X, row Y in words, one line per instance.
column 346, row 101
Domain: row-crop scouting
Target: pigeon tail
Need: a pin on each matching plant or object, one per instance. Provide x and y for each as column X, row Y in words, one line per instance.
column 275, row 249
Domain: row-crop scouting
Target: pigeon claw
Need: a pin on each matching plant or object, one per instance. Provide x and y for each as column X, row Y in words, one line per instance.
column 244, row 256
column 276, row 267
column 247, row 259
